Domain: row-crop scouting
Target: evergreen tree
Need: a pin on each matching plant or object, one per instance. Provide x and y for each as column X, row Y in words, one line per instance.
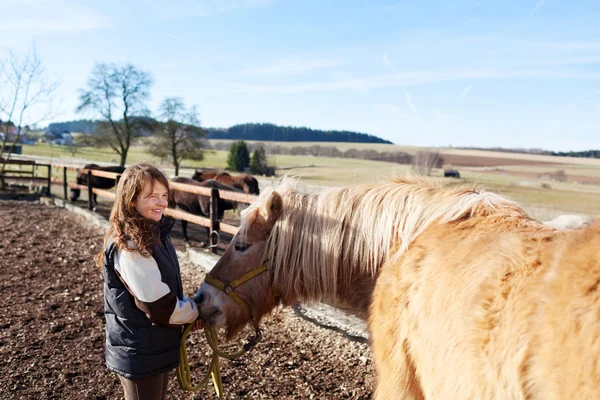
column 258, row 162
column 239, row 157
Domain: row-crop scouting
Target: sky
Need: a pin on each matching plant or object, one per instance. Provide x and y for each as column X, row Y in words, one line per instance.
column 512, row 74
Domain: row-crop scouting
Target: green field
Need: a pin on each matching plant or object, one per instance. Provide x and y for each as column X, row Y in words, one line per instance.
column 541, row 197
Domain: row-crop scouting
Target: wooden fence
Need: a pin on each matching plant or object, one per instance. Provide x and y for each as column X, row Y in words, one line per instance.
column 212, row 222
column 24, row 173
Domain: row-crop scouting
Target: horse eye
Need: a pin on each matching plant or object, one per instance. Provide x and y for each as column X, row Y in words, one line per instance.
column 241, row 246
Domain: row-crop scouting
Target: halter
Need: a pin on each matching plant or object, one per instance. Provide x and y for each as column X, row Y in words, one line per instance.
column 229, row 288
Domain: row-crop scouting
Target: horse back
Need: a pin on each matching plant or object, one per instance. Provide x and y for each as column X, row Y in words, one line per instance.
column 191, row 202
column 98, row 181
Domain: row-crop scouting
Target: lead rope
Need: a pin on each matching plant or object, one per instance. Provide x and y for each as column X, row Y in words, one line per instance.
column 183, row 370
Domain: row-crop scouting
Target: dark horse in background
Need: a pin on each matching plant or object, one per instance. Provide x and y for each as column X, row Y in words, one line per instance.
column 244, row 182
column 198, row 204
column 97, row 181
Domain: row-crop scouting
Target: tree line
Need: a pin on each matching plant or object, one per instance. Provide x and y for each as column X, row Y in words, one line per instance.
column 275, row 133
column 319, row 151
column 81, row 125
column 584, row 154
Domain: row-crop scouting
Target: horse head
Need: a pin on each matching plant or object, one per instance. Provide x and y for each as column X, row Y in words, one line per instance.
column 239, row 290
column 81, row 180
column 249, row 184
column 200, row 175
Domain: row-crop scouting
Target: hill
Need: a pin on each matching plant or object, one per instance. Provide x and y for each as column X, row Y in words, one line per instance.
column 274, row 133
column 250, row 131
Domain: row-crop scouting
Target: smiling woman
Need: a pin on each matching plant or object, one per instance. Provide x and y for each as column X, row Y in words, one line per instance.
column 144, row 304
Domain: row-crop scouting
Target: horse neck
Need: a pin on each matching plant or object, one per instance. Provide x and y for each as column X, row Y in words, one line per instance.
column 333, row 245
column 322, row 261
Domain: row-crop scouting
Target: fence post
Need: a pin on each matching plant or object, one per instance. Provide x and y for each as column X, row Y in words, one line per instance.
column 89, row 185
column 214, row 221
column 65, row 183
column 49, row 179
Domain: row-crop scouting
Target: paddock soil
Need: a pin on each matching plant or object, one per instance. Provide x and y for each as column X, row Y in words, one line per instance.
column 52, row 326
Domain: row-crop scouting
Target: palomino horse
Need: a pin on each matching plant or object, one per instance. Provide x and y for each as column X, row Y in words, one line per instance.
column 244, row 182
column 467, row 297
column 198, row 204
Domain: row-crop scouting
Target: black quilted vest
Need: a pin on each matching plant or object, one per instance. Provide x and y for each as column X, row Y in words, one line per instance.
column 135, row 346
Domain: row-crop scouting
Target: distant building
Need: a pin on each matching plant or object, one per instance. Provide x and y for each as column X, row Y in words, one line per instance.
column 62, row 139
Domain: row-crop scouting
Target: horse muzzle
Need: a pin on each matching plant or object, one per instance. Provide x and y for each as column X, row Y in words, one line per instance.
column 210, row 306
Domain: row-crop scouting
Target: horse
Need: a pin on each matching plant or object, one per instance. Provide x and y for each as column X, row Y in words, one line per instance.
column 245, row 182
column 466, row 296
column 97, row 181
column 198, row 204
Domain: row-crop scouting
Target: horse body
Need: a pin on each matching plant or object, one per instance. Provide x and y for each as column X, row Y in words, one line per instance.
column 97, row 181
column 489, row 308
column 198, row 204
column 466, row 296
column 244, row 182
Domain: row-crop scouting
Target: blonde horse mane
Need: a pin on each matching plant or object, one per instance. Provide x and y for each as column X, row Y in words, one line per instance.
column 323, row 241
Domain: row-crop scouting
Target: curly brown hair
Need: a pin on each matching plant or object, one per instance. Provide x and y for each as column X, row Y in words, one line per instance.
column 126, row 224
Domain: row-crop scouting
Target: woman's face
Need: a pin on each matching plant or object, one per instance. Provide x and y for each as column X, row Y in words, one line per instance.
column 153, row 201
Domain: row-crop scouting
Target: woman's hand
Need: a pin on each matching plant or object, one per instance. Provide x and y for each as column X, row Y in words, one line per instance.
column 197, row 325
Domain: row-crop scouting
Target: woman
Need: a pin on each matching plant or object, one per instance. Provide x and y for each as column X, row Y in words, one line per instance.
column 144, row 304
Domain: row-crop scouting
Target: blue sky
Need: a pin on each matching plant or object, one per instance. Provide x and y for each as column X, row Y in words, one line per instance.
column 430, row 73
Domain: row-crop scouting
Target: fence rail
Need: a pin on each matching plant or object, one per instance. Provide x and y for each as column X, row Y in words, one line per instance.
column 8, row 174
column 211, row 222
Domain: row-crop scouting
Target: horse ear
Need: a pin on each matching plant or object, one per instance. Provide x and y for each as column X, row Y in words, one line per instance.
column 274, row 207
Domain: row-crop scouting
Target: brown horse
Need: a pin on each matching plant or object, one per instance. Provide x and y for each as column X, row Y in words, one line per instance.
column 198, row 204
column 466, row 296
column 97, row 181
column 244, row 182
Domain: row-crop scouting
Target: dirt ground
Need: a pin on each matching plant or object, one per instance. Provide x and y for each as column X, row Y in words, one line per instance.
column 52, row 326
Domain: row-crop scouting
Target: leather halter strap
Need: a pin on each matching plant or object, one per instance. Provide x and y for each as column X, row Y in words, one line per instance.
column 229, row 287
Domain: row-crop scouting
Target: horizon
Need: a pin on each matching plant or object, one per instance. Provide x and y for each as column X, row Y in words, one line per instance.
column 516, row 75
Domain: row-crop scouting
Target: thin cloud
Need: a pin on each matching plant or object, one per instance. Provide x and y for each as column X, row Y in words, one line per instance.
column 410, row 103
column 465, row 92
column 407, row 96
column 35, row 18
column 538, row 5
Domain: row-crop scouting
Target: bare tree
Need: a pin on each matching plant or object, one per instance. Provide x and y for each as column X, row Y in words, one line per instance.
column 178, row 135
column 24, row 88
column 424, row 161
column 118, row 93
